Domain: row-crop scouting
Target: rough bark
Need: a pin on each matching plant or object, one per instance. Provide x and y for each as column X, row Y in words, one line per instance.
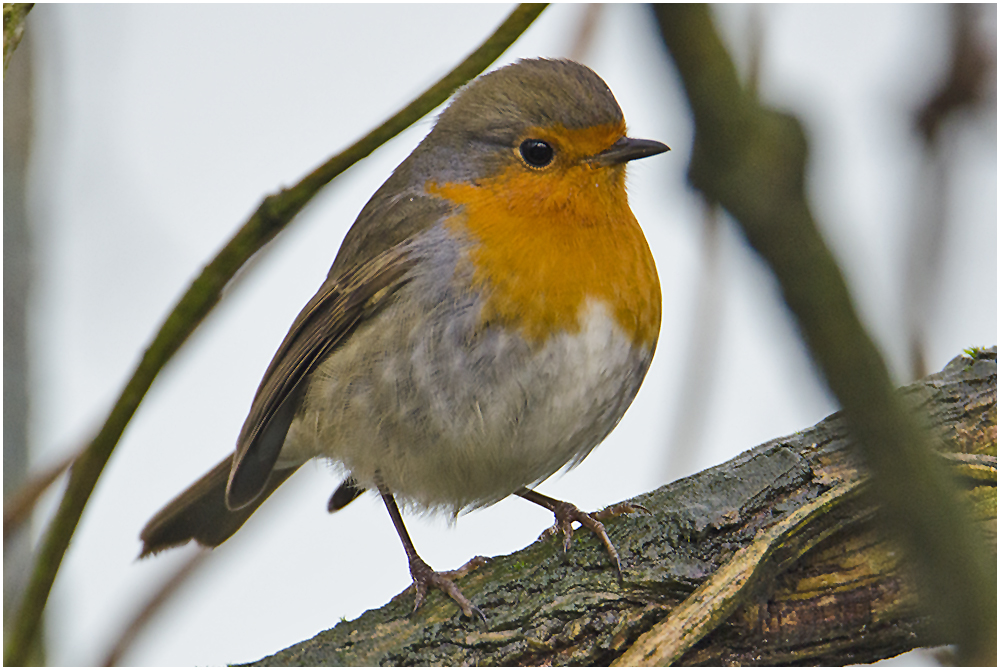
column 775, row 557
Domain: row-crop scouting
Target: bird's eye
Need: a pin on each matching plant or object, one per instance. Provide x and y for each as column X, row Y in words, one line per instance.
column 536, row 153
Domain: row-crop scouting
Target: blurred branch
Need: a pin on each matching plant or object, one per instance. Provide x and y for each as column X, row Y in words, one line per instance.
column 966, row 83
column 161, row 597
column 751, row 160
column 585, row 31
column 14, row 14
column 19, row 267
column 773, row 558
column 17, row 507
column 964, row 87
column 755, row 38
column 699, row 367
column 271, row 216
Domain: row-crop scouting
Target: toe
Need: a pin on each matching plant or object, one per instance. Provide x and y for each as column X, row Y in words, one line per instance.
column 425, row 578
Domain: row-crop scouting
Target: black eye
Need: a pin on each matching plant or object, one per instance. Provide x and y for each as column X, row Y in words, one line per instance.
column 537, row 153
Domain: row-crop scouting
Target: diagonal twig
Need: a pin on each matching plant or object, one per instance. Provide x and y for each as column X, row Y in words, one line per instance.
column 161, row 597
column 17, row 507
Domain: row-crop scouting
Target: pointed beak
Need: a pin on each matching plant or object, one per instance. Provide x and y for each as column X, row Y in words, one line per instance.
column 628, row 149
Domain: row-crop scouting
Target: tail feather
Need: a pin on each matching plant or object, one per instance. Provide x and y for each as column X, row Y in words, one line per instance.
column 200, row 512
column 344, row 495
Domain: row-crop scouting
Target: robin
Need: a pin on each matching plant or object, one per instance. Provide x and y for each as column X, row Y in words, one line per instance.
column 487, row 321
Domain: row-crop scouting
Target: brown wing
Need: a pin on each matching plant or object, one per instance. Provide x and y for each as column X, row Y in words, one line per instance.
column 332, row 314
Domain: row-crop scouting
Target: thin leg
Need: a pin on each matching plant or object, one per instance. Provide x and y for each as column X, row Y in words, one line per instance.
column 566, row 513
column 423, row 576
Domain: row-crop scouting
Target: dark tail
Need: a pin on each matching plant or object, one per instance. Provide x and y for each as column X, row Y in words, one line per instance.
column 200, row 512
column 344, row 495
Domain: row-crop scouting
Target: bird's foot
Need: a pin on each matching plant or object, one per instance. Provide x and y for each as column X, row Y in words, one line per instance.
column 566, row 513
column 424, row 578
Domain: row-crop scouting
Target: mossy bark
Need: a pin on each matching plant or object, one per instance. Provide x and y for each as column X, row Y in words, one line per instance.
column 775, row 557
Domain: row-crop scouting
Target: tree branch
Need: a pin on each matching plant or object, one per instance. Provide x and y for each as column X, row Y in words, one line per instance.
column 775, row 557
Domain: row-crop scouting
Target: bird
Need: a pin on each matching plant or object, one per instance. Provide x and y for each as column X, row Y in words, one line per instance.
column 486, row 323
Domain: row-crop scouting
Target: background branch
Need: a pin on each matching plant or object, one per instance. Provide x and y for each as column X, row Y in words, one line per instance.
column 18, row 506
column 965, row 87
column 269, row 219
column 148, row 611
column 14, row 14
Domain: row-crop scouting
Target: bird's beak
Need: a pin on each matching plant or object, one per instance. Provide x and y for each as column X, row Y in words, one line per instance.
column 628, row 149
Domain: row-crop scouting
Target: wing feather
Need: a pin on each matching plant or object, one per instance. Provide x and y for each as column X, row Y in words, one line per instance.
column 327, row 319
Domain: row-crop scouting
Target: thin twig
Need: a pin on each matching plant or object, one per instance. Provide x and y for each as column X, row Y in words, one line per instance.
column 163, row 595
column 699, row 366
column 963, row 88
column 18, row 505
column 271, row 216
column 584, row 37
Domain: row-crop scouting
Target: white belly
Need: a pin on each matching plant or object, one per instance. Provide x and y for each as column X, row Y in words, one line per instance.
column 459, row 423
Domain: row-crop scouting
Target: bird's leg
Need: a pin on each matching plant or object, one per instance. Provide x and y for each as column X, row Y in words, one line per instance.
column 566, row 513
column 423, row 576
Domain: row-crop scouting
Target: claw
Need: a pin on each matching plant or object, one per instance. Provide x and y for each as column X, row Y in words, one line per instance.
column 621, row 508
column 424, row 578
column 566, row 513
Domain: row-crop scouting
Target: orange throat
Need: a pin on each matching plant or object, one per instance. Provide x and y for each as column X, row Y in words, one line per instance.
column 546, row 244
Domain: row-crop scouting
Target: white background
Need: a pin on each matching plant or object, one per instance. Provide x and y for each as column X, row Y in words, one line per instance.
column 160, row 128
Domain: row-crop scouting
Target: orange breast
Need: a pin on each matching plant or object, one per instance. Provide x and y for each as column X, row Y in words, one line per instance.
column 549, row 241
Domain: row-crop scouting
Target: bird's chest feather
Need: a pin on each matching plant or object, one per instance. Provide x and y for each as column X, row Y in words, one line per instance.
column 456, row 411
column 487, row 411
column 540, row 248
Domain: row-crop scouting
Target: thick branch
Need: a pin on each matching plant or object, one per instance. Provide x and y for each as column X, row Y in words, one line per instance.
column 774, row 557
